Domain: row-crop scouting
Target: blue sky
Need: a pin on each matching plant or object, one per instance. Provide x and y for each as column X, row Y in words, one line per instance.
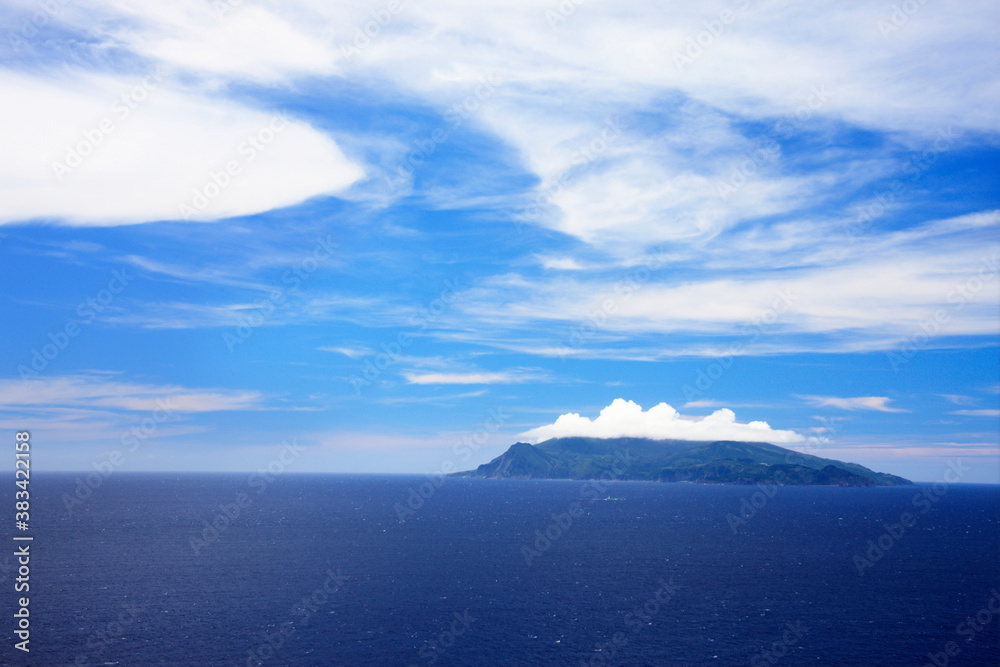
column 405, row 236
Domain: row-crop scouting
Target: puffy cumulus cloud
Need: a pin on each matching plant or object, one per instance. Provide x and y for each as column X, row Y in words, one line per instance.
column 661, row 422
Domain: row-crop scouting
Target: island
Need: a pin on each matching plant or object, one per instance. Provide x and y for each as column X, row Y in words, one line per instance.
column 719, row 462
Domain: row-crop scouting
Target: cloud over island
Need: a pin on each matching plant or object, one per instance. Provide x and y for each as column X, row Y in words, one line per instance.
column 661, row 422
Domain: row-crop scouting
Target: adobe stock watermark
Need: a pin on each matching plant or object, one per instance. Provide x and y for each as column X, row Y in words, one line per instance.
column 770, row 151
column 432, row 651
column 562, row 12
column 957, row 298
column 31, row 26
column 714, row 29
column 753, row 330
column 225, row 7
column 291, row 281
column 302, row 614
column 589, row 152
column 113, row 460
column 969, row 628
column 923, row 501
column 743, row 172
column 605, row 653
column 94, row 136
column 899, row 16
column 591, row 491
column 752, row 503
column 366, row 33
column 218, row 181
column 392, row 351
column 455, row 117
column 107, row 635
column 464, row 449
column 624, row 289
column 790, row 638
column 791, row 122
column 258, row 482
column 88, row 311
column 914, row 168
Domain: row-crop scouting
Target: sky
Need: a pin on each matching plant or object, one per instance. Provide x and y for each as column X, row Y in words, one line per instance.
column 396, row 237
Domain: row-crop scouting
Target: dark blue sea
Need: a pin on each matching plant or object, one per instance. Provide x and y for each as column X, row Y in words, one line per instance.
column 199, row 570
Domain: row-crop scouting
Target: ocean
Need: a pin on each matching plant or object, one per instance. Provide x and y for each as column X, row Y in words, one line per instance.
column 205, row 569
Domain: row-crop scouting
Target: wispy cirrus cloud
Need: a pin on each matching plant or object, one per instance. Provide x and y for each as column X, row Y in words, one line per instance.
column 765, row 70
column 105, row 392
column 475, row 377
column 194, row 275
column 101, row 407
column 977, row 413
column 707, row 403
column 842, row 300
column 876, row 403
column 445, row 399
column 286, row 307
column 670, row 173
column 349, row 352
column 959, row 399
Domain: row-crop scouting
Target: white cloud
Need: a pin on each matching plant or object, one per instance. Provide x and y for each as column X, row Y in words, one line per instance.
column 877, row 403
column 211, row 40
column 977, row 413
column 703, row 404
column 627, row 419
column 562, row 83
column 144, row 158
column 247, row 41
column 958, row 399
column 561, row 263
column 720, row 404
column 350, row 352
column 503, row 377
column 444, row 399
column 873, row 295
column 101, row 392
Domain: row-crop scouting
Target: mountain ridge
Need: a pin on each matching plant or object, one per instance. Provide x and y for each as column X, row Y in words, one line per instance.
column 707, row 462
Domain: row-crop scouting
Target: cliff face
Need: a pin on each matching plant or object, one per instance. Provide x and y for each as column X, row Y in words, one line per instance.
column 721, row 462
column 521, row 460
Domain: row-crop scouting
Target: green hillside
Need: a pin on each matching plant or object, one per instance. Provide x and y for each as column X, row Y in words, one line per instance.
column 720, row 462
